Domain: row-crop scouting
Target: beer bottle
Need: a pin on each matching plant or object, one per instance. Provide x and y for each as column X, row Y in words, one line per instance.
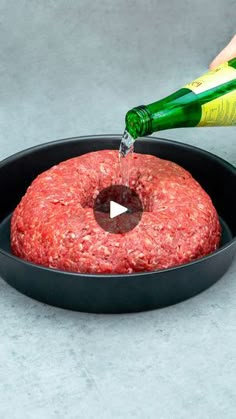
column 209, row 100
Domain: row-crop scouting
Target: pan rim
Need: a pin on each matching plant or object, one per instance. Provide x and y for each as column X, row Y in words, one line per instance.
column 28, row 150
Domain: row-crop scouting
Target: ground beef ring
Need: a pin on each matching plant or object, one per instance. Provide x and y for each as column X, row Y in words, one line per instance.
column 54, row 225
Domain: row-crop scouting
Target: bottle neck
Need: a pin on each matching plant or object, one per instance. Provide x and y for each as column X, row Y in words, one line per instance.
column 180, row 109
column 139, row 122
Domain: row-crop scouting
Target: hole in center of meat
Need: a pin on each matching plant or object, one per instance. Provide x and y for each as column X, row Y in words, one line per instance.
column 132, row 198
column 119, row 194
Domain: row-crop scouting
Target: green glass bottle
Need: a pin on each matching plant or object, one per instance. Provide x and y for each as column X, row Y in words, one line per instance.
column 209, row 100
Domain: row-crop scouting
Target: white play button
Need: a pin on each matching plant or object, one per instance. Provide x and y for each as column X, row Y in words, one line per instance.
column 116, row 209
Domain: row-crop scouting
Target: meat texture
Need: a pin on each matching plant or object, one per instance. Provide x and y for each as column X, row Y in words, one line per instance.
column 54, row 225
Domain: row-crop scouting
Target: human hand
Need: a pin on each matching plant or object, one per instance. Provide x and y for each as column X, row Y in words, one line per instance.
column 226, row 54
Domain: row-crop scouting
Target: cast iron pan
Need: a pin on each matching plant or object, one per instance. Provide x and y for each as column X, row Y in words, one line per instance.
column 117, row 293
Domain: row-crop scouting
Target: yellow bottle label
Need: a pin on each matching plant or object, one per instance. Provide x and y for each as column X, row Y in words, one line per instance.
column 220, row 111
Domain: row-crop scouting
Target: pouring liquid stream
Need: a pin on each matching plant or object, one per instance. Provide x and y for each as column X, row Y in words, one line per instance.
column 126, row 157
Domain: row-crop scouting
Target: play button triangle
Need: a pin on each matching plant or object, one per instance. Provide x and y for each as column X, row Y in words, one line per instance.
column 116, row 209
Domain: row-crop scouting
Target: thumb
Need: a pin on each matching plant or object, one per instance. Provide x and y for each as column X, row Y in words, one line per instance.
column 226, row 54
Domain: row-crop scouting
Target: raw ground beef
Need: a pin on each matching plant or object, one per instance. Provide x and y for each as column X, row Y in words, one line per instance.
column 54, row 226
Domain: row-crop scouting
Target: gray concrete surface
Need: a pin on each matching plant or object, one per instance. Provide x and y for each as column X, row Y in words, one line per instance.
column 71, row 68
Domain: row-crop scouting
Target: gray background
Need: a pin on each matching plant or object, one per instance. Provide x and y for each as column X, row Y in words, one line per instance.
column 71, row 68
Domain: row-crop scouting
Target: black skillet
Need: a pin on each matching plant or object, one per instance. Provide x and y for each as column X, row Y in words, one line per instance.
column 117, row 293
